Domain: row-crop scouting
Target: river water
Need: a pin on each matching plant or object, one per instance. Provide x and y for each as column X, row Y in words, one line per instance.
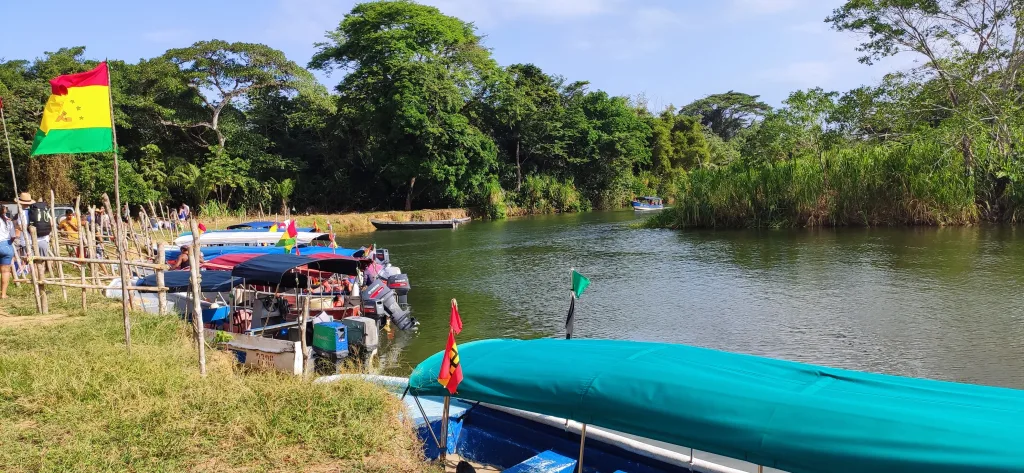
column 941, row 303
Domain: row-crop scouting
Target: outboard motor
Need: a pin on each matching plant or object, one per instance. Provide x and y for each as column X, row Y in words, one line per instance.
column 363, row 337
column 400, row 284
column 379, row 302
column 382, row 256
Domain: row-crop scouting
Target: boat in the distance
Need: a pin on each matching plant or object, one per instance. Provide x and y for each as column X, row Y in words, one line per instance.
column 648, row 203
column 422, row 225
column 655, row 407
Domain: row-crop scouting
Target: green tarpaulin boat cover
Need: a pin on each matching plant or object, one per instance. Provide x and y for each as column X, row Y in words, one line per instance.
column 793, row 416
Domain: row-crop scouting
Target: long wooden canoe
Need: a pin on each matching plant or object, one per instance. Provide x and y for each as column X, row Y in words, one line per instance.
column 424, row 225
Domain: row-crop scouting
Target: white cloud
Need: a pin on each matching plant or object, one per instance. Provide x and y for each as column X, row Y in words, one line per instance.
column 810, row 27
column 628, row 34
column 306, row 21
column 493, row 11
column 172, row 35
column 804, row 74
column 762, row 7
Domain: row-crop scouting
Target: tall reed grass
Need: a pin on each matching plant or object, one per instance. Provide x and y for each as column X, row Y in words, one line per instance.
column 916, row 184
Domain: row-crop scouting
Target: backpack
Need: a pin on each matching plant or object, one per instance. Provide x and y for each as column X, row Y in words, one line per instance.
column 39, row 216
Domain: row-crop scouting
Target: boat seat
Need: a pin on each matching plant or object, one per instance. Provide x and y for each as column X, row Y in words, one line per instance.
column 545, row 462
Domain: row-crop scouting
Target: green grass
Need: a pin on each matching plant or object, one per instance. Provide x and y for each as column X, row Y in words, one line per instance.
column 917, row 184
column 71, row 399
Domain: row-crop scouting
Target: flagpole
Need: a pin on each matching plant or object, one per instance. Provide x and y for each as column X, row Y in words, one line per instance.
column 118, row 230
column 9, row 157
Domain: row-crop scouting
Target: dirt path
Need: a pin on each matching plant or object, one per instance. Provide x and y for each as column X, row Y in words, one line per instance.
column 10, row 321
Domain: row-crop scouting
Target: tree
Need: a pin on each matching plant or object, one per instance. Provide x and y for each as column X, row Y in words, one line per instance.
column 411, row 71
column 726, row 114
column 677, row 142
column 971, row 48
column 284, row 189
column 528, row 114
column 222, row 74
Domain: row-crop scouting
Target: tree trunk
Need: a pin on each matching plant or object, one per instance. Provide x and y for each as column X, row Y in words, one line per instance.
column 519, row 169
column 408, row 197
column 284, row 206
column 965, row 148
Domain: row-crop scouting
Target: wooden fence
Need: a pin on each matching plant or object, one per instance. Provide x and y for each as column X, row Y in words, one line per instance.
column 93, row 252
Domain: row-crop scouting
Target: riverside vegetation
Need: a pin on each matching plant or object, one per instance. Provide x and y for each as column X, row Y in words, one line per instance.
column 423, row 117
column 72, row 399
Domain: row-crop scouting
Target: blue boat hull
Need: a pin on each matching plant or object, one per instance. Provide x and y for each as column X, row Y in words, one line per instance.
column 490, row 437
column 640, row 207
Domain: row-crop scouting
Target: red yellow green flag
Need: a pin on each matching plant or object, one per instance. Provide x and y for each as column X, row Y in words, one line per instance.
column 77, row 115
column 288, row 237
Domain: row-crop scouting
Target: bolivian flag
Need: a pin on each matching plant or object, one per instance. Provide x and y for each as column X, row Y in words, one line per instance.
column 77, row 116
column 288, row 236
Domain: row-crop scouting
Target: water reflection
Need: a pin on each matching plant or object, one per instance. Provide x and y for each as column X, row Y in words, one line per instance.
column 939, row 303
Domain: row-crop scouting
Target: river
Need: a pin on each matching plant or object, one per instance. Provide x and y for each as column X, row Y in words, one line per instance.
column 941, row 303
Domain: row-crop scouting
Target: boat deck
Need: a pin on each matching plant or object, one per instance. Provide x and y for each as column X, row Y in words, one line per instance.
column 451, row 463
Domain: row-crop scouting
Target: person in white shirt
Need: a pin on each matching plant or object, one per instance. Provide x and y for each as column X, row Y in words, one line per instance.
column 6, row 251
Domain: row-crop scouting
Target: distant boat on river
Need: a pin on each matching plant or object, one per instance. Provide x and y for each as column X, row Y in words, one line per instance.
column 648, row 204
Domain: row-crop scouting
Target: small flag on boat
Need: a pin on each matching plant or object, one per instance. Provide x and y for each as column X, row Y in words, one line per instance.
column 451, row 370
column 202, row 229
column 579, row 284
column 455, row 322
column 76, row 118
column 273, row 228
column 288, row 236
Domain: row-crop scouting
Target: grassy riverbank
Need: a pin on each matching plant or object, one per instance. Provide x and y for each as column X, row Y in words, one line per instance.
column 71, row 399
column 868, row 186
column 343, row 223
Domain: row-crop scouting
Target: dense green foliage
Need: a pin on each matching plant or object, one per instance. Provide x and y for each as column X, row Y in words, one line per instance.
column 422, row 116
column 938, row 144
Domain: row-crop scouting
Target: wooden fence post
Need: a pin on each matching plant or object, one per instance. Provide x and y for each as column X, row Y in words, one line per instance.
column 44, row 302
column 94, row 268
column 55, row 244
column 161, row 296
column 303, row 317
column 31, row 266
column 81, row 249
column 123, row 268
column 197, row 296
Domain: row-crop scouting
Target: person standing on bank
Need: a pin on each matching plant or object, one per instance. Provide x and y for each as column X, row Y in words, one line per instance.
column 34, row 214
column 6, row 252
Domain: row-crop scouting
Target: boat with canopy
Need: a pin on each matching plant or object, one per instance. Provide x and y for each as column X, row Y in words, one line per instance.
column 648, row 204
column 252, row 238
column 796, row 417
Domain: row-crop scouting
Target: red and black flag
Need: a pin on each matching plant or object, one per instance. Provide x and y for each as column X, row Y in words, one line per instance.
column 451, row 370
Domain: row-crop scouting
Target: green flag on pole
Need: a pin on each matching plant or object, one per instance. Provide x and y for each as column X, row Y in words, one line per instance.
column 579, row 283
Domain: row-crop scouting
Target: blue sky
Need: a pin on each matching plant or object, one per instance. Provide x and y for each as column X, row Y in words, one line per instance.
column 671, row 51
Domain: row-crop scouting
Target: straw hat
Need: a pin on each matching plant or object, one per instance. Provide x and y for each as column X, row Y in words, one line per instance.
column 25, row 199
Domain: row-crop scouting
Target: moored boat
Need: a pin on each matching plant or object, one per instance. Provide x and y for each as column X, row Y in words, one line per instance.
column 231, row 238
column 648, row 204
column 423, row 225
column 531, row 402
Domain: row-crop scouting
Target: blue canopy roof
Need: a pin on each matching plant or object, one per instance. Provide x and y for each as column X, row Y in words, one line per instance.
column 210, row 281
column 796, row 417
column 259, row 225
column 273, row 268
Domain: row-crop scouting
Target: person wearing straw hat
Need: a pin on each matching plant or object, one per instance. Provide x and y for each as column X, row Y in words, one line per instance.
column 24, row 240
